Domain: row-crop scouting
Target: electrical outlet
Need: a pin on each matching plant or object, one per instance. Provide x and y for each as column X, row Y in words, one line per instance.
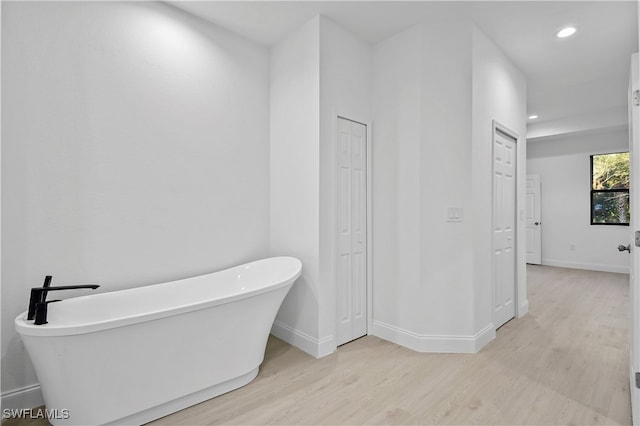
column 572, row 246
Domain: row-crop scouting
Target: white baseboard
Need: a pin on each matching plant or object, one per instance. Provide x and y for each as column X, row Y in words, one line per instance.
column 23, row 398
column 587, row 266
column 523, row 309
column 438, row 344
column 484, row 336
column 317, row 348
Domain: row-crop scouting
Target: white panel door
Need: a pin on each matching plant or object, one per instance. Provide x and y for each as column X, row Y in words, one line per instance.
column 352, row 226
column 634, row 270
column 504, row 218
column 533, row 223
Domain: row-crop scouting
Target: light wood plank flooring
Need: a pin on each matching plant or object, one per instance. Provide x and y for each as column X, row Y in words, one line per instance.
column 566, row 362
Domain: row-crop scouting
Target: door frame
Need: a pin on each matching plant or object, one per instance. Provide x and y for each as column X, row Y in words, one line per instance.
column 517, row 214
column 334, row 249
column 634, row 150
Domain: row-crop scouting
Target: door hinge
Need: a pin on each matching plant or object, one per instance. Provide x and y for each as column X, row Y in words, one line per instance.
column 636, row 98
column 637, row 238
column 638, row 380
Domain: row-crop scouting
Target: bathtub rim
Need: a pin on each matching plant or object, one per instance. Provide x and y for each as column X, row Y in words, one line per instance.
column 27, row 328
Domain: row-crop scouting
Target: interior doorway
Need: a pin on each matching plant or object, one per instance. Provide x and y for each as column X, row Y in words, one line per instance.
column 533, row 221
column 504, row 223
column 351, row 304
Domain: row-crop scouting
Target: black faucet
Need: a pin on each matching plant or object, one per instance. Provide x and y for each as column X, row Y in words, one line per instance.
column 38, row 302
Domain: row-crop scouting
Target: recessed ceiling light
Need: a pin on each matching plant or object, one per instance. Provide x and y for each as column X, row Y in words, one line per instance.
column 533, row 117
column 566, row 32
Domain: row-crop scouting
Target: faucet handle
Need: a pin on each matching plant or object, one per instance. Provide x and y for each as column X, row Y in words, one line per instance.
column 38, row 295
column 35, row 298
column 41, row 312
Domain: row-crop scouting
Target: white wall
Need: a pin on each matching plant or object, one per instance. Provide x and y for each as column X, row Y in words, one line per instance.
column 564, row 168
column 345, row 90
column 295, row 178
column 446, row 259
column 434, row 100
column 317, row 72
column 135, row 151
column 499, row 93
column 396, row 185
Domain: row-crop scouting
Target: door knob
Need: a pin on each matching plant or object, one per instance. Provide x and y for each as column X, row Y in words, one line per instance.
column 624, row 248
column 536, row 223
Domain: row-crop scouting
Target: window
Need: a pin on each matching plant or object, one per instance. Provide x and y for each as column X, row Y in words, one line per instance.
column 610, row 189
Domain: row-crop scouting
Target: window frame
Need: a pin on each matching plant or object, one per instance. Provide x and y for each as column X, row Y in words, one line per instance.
column 594, row 191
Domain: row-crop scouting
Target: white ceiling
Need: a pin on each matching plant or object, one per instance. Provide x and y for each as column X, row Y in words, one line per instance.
column 576, row 76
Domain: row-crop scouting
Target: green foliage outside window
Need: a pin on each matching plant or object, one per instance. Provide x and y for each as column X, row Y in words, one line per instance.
column 610, row 189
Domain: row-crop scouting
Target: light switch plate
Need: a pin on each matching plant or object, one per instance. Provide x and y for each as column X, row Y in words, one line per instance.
column 454, row 214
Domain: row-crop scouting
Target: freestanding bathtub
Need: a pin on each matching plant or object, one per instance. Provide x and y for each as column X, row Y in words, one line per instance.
column 132, row 356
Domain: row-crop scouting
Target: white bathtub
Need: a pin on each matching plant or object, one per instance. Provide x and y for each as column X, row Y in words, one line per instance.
column 132, row 356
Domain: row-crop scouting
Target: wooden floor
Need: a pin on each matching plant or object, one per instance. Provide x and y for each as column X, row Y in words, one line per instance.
column 566, row 362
